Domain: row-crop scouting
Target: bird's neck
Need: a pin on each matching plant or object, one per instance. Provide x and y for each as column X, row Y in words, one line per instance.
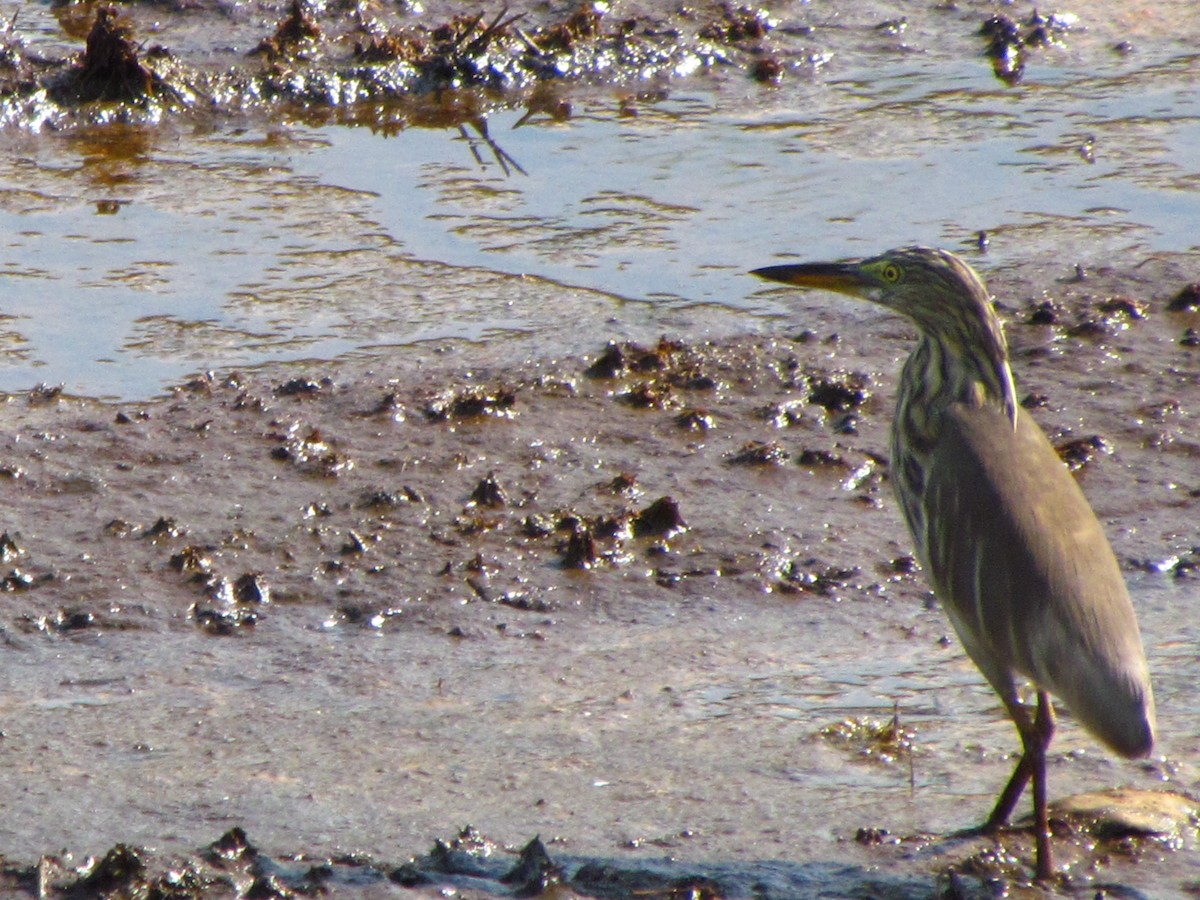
column 937, row 375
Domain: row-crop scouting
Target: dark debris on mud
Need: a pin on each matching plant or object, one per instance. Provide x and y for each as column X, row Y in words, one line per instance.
column 109, row 69
column 883, row 742
column 392, row 66
column 361, row 487
column 1121, row 823
column 1010, row 42
column 233, row 867
column 443, row 488
column 337, row 56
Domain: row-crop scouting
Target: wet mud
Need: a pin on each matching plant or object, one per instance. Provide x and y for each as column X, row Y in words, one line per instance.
column 145, row 61
column 91, row 62
column 275, row 632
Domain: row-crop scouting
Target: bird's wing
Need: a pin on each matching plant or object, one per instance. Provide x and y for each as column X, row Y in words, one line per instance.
column 1028, row 576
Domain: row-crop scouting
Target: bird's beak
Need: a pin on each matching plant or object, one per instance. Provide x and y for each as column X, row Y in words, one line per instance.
column 843, row 277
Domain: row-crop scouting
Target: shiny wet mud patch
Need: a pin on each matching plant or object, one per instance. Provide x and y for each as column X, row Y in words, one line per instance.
column 474, row 865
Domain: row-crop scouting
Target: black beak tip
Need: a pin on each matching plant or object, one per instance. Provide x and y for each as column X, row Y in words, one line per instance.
column 770, row 273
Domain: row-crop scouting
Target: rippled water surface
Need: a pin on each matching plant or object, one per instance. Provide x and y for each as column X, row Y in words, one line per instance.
column 134, row 256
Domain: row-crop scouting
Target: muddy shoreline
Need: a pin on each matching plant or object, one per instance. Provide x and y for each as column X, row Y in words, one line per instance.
column 438, row 64
column 389, row 65
column 378, row 593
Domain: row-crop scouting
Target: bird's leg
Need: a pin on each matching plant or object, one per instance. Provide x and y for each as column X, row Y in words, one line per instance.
column 1035, row 734
column 1027, row 728
column 1009, row 796
column 1044, row 724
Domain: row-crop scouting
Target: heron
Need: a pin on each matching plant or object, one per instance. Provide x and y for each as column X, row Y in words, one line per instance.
column 1008, row 542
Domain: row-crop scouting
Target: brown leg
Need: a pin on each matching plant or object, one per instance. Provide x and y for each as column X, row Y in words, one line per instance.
column 1035, row 738
column 1041, row 821
column 1027, row 729
column 1010, row 795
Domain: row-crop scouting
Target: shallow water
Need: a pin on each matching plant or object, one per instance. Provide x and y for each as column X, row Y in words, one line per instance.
column 137, row 255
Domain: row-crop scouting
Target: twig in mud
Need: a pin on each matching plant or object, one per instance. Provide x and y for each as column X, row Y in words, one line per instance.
column 504, row 160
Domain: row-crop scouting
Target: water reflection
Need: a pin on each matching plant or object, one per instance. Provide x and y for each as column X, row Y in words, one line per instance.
column 137, row 255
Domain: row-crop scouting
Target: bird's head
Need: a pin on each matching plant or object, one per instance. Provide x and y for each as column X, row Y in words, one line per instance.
column 934, row 288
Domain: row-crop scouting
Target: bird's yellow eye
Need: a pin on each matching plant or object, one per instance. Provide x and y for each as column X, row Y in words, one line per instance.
column 890, row 273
